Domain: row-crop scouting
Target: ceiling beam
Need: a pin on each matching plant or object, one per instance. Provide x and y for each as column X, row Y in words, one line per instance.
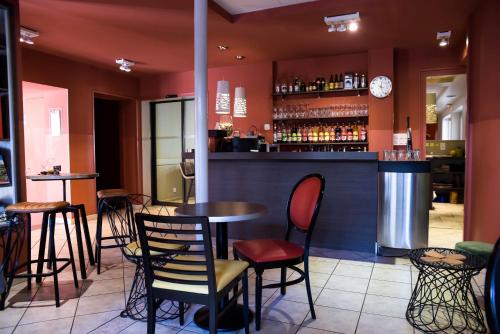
column 221, row 11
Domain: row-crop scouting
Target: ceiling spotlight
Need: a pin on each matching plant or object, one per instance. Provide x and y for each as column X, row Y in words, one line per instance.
column 343, row 23
column 222, row 47
column 444, row 38
column 239, row 57
column 125, row 65
column 27, row 34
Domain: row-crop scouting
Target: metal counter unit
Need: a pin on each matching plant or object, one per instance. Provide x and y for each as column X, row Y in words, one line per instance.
column 403, row 205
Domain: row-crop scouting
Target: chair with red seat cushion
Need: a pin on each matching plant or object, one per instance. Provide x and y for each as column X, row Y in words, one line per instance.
column 302, row 211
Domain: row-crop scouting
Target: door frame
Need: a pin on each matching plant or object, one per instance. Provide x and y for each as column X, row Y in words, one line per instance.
column 152, row 119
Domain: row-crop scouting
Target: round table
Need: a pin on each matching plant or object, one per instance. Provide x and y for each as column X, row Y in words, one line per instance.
column 63, row 177
column 443, row 298
column 222, row 213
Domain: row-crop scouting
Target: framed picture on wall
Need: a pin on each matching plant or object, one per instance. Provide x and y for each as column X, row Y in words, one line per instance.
column 4, row 176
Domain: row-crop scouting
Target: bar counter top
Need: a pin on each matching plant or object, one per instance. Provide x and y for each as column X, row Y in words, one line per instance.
column 329, row 156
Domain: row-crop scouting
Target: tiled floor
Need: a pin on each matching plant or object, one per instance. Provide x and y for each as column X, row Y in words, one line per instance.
column 446, row 225
column 353, row 293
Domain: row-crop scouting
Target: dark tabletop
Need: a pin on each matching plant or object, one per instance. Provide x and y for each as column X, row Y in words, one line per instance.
column 223, row 212
column 472, row 262
column 63, row 176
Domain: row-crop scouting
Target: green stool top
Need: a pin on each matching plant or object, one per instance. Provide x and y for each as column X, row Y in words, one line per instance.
column 475, row 247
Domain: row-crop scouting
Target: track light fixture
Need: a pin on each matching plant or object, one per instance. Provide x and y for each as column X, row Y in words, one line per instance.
column 125, row 65
column 341, row 23
column 27, row 35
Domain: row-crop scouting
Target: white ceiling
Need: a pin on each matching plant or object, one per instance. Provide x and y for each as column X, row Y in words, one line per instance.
column 447, row 92
column 235, row 7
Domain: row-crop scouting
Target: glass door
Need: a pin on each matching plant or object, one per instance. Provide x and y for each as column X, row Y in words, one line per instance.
column 172, row 133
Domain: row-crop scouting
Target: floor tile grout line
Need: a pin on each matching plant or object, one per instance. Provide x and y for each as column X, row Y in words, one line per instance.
column 364, row 299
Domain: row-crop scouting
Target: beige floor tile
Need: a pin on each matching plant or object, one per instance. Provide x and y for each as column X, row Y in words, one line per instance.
column 43, row 311
column 357, row 263
column 115, row 325
column 8, row 330
column 377, row 324
column 353, row 271
column 285, row 311
column 323, row 267
column 60, row 326
column 392, row 307
column 389, row 289
column 402, row 276
column 406, row 267
column 141, row 327
column 10, row 316
column 297, row 293
column 115, row 272
column 86, row 323
column 93, row 288
column 307, row 330
column 346, row 283
column 317, row 279
column 341, row 299
column 334, row 320
column 271, row 327
column 101, row 303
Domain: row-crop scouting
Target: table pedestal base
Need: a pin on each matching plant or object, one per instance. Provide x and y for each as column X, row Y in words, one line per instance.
column 232, row 319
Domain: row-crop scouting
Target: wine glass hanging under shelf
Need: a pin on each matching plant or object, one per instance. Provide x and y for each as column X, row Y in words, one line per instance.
column 302, row 111
column 319, row 93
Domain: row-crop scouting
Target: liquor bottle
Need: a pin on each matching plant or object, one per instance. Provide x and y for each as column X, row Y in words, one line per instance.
column 275, row 133
column 304, row 134
column 303, row 87
column 321, row 134
column 327, row 134
column 315, row 134
column 355, row 81
column 341, row 82
column 290, row 87
column 349, row 132
column 289, row 135
column 284, row 87
column 318, row 83
column 310, row 134
column 336, row 83
column 277, row 88
column 355, row 132
column 343, row 133
column 299, row 134
column 332, row 133
column 331, row 83
column 278, row 135
column 284, row 139
column 409, row 143
column 338, row 133
column 323, row 84
column 363, row 81
column 363, row 133
column 296, row 87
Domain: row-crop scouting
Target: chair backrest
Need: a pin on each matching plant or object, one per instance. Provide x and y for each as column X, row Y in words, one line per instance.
column 187, row 169
column 492, row 294
column 305, row 201
column 119, row 212
column 191, row 264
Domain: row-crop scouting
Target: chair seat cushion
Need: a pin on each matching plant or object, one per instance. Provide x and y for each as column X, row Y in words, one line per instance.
column 108, row 193
column 268, row 250
column 475, row 247
column 225, row 272
column 134, row 248
column 36, row 207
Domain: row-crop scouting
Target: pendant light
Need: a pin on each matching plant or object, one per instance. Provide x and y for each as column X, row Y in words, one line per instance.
column 222, row 100
column 240, row 102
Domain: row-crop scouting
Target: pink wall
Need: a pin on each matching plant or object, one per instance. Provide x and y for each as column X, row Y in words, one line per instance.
column 41, row 148
column 483, row 179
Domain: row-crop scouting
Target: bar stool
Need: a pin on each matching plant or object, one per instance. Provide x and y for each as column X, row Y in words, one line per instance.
column 115, row 195
column 49, row 210
column 187, row 171
column 78, row 210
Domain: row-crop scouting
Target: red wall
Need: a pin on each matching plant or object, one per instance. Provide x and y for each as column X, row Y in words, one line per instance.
column 483, row 179
column 82, row 81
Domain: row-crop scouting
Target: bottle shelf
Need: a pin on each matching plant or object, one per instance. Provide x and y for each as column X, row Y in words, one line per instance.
column 356, row 91
column 326, row 143
column 320, row 118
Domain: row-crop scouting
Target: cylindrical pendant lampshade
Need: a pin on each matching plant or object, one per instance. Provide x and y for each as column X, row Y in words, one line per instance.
column 222, row 100
column 240, row 102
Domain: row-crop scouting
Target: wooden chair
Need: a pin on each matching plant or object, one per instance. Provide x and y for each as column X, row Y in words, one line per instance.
column 190, row 275
column 302, row 211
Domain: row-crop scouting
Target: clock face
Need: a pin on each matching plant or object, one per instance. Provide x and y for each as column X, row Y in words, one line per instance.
column 381, row 86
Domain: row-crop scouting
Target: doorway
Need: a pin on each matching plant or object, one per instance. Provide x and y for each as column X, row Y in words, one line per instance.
column 446, row 119
column 115, row 143
column 46, row 140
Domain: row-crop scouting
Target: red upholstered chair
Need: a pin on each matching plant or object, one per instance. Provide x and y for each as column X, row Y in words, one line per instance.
column 302, row 211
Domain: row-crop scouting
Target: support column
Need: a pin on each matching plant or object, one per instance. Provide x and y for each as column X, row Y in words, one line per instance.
column 200, row 94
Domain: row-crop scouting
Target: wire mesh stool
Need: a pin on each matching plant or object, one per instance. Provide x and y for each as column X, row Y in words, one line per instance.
column 443, row 299
column 12, row 237
column 122, row 223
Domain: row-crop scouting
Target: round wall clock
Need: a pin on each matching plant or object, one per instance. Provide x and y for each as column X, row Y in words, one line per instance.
column 381, row 86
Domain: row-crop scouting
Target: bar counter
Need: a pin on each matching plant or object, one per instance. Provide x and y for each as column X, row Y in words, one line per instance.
column 348, row 215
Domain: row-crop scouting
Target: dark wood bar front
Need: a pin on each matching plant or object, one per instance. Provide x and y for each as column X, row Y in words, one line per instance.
column 348, row 216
